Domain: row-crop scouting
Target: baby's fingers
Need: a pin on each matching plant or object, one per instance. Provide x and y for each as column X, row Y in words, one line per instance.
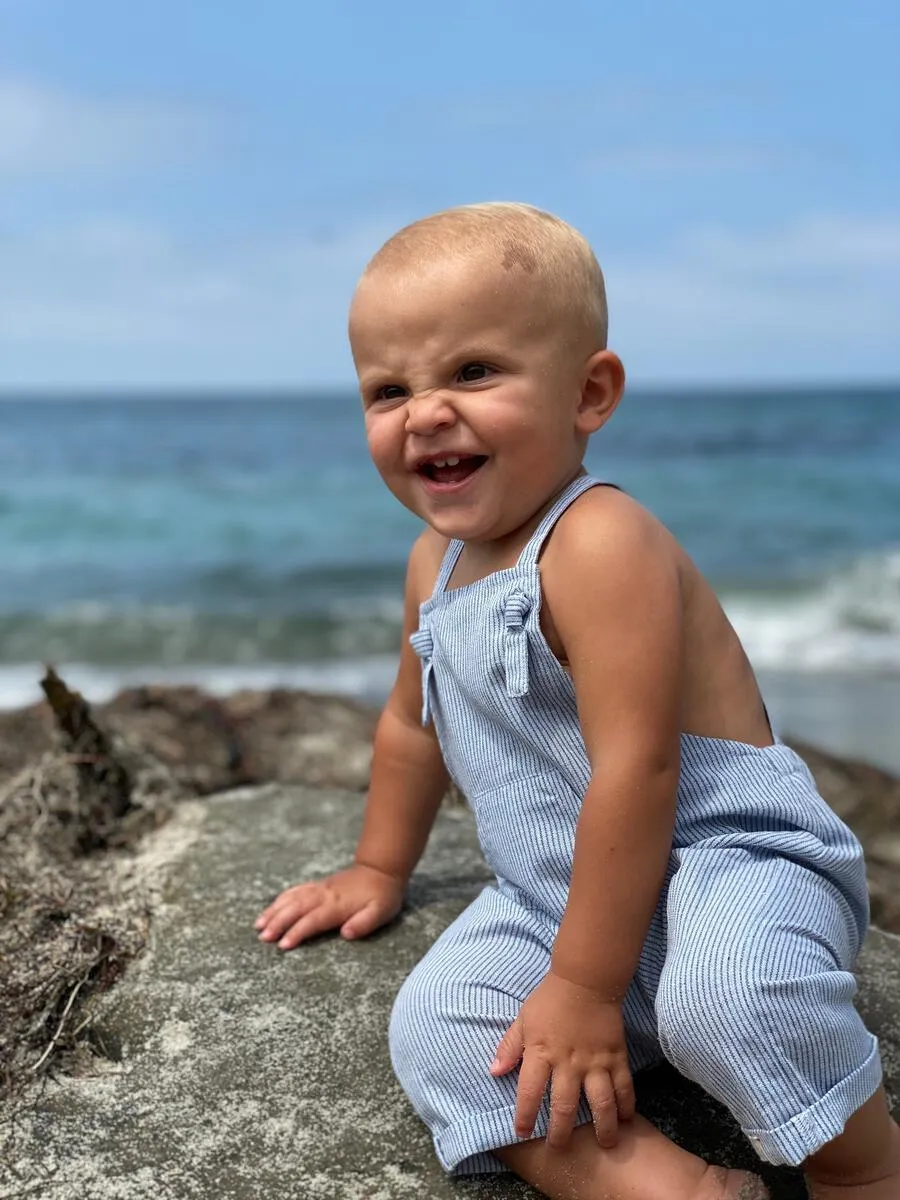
column 282, row 901
column 624, row 1089
column 364, row 922
column 601, row 1096
column 565, row 1096
column 264, row 917
column 534, row 1075
column 286, row 909
column 319, row 920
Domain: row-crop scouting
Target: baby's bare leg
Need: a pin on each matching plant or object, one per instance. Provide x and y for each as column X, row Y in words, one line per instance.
column 863, row 1163
column 644, row 1165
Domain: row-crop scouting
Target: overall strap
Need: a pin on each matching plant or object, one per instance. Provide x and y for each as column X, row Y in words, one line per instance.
column 532, row 551
column 451, row 555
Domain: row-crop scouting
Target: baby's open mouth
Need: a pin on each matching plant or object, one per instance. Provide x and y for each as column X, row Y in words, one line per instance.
column 452, row 469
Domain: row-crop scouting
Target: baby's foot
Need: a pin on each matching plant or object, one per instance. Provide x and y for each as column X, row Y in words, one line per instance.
column 721, row 1184
column 887, row 1188
column 881, row 1181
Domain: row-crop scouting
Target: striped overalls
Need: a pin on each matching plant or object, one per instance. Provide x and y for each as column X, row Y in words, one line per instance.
column 744, row 981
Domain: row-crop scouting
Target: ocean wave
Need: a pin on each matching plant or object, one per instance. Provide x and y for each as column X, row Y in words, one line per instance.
column 367, row 679
column 109, row 635
column 850, row 620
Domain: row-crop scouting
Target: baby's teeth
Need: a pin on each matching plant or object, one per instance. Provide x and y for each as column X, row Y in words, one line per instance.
column 452, row 462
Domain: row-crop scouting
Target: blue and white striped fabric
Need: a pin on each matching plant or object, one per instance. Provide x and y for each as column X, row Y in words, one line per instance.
column 745, row 980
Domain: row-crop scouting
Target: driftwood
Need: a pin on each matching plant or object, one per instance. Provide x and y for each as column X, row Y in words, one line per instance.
column 104, row 785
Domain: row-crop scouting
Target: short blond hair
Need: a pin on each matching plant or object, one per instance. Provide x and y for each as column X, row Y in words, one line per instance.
column 522, row 238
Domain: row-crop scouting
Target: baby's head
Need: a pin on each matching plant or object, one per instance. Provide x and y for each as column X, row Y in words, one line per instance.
column 479, row 334
column 543, row 259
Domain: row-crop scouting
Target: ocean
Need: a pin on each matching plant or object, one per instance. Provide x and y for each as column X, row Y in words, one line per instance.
column 235, row 541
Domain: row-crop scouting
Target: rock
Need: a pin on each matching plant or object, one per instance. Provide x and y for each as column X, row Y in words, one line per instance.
column 868, row 799
column 224, row 1070
column 209, row 744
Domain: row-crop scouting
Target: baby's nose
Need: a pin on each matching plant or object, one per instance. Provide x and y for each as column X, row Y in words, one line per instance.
column 429, row 411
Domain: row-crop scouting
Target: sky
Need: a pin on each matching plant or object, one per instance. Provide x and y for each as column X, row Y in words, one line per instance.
column 188, row 191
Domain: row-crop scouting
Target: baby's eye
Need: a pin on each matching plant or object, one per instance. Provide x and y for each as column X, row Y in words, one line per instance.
column 474, row 372
column 389, row 391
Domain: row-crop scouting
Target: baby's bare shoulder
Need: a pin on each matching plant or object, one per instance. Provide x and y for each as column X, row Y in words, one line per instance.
column 608, row 553
column 604, row 524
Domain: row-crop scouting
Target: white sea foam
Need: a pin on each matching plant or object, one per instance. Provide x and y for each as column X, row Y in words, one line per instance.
column 849, row 622
column 364, row 678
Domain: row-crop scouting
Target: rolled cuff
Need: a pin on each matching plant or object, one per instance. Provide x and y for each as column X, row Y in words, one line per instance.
column 790, row 1144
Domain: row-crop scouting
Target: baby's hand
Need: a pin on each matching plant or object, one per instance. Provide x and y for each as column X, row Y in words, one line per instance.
column 569, row 1037
column 357, row 901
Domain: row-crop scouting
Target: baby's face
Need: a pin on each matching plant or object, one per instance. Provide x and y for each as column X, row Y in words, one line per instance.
column 471, row 387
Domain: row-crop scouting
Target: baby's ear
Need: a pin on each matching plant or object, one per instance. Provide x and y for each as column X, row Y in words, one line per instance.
column 601, row 390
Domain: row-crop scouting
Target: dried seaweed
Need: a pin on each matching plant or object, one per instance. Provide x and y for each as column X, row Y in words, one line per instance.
column 68, row 920
column 104, row 786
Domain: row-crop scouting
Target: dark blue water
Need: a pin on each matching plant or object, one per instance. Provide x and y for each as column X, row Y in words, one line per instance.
column 210, row 535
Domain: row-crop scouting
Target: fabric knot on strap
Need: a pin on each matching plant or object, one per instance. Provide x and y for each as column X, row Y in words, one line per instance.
column 516, row 607
column 423, row 644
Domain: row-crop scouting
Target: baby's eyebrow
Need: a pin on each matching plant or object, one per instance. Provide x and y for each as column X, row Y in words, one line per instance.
column 380, row 377
column 475, row 354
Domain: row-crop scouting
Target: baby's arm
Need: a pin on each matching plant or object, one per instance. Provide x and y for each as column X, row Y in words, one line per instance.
column 612, row 587
column 612, row 598
column 407, row 783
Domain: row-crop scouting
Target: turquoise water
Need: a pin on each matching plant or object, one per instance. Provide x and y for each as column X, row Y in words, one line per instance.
column 249, row 540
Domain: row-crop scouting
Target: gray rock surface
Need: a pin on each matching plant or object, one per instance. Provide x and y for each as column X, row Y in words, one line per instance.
column 230, row 1071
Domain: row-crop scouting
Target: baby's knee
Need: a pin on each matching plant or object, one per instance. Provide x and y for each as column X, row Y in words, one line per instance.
column 443, row 1032
column 409, row 1030
column 707, row 1010
column 423, row 1037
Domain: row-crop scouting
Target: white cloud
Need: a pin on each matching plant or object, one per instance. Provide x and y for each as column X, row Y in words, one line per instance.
column 116, row 301
column 45, row 130
column 817, row 298
column 821, row 242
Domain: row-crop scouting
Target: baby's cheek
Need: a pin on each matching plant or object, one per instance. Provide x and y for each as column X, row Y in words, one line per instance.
column 381, row 448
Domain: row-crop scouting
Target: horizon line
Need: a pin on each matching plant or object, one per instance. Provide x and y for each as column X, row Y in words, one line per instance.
column 222, row 391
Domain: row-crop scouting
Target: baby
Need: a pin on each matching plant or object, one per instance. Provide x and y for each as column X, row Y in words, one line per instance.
column 669, row 884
